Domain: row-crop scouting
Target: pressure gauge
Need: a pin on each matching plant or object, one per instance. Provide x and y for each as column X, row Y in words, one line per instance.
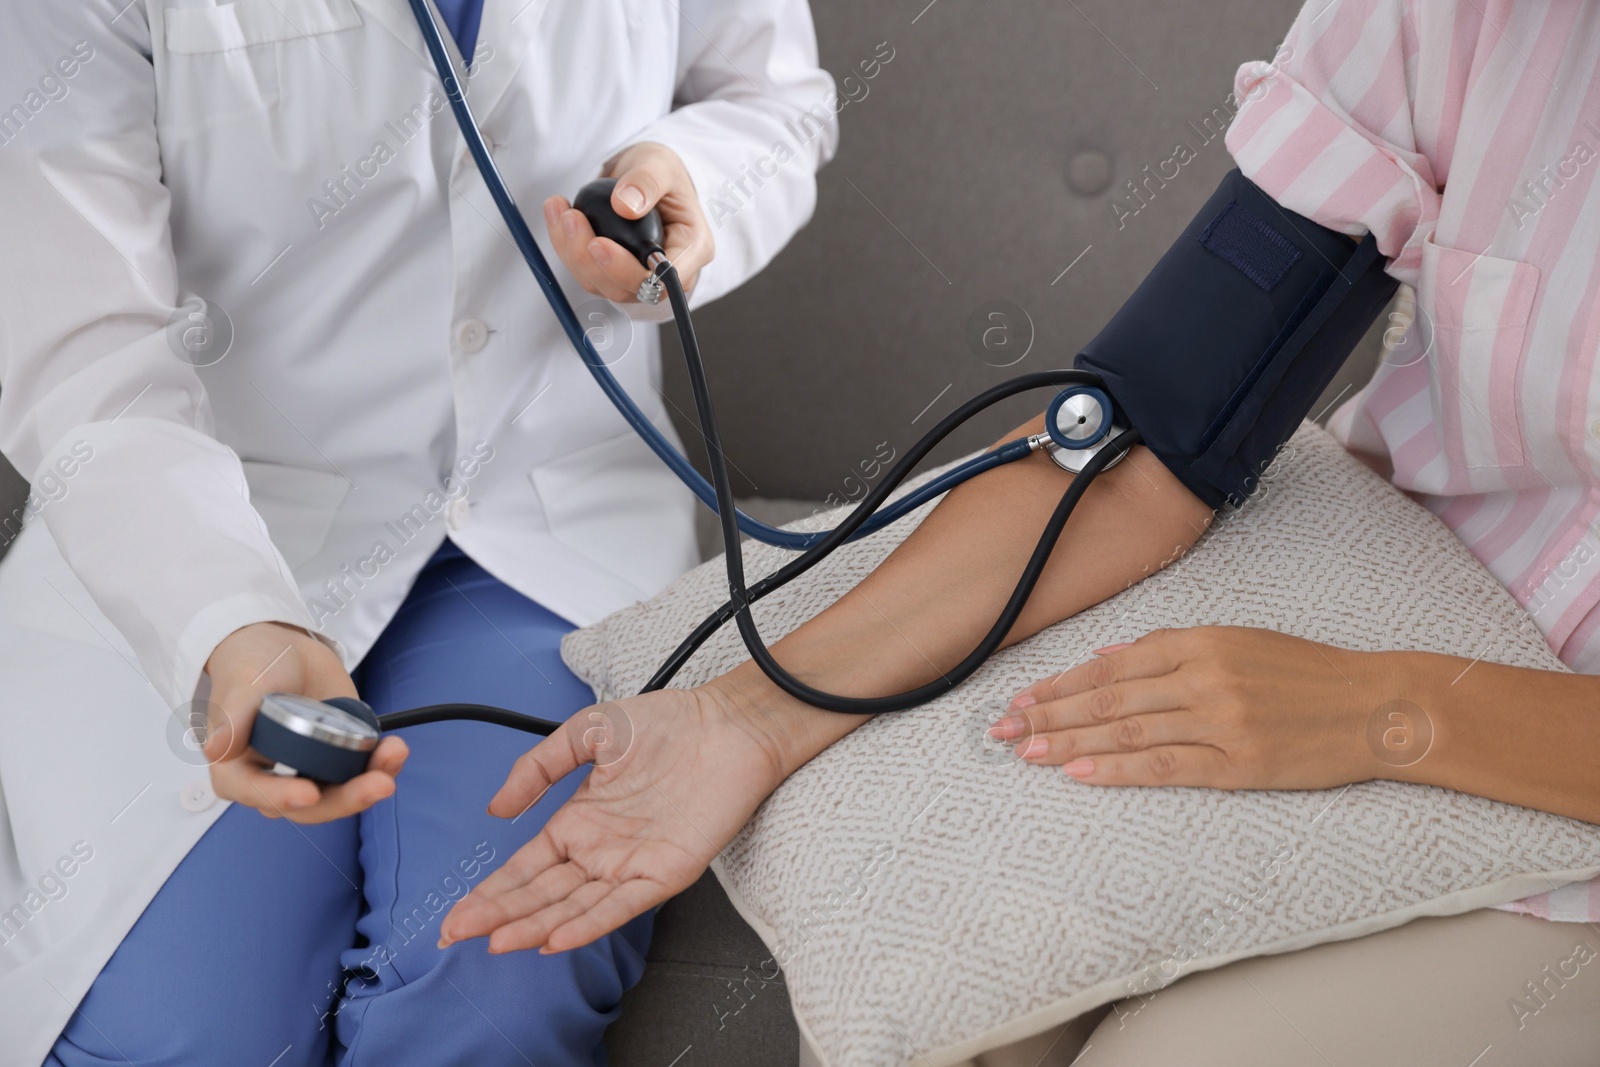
column 327, row 741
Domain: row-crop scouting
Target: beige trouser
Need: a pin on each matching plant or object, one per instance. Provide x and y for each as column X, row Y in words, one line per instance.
column 1484, row 989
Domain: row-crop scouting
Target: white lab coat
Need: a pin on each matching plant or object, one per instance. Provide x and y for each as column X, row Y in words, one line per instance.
column 394, row 373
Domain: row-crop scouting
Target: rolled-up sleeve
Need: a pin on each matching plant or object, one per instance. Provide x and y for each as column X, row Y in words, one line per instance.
column 149, row 510
column 753, row 106
column 1327, row 128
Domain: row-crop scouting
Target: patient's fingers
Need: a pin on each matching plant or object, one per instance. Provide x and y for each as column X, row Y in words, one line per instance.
column 537, row 859
column 1158, row 652
column 529, row 890
column 1131, row 734
column 1189, row 765
column 627, row 901
column 1107, row 704
column 532, row 928
column 485, row 915
column 536, row 875
column 537, row 769
column 596, row 910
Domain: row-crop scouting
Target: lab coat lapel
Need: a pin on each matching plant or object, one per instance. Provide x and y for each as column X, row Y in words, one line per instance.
column 509, row 26
column 395, row 16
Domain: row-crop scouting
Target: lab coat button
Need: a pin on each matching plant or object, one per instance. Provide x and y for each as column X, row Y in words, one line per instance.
column 456, row 514
column 196, row 797
column 1594, row 428
column 471, row 335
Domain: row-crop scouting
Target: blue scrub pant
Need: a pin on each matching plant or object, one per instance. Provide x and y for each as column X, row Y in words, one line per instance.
column 280, row 945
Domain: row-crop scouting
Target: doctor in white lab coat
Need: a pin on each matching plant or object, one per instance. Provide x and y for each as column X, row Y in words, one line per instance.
column 265, row 344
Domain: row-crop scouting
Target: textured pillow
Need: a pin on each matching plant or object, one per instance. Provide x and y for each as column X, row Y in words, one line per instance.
column 929, row 898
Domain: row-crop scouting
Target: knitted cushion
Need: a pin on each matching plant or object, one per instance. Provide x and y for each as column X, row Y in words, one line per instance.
column 929, row 897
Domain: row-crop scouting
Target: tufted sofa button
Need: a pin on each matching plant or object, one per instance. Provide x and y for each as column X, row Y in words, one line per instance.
column 1089, row 172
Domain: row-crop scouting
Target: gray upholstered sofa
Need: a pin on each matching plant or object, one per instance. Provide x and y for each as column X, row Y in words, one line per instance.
column 1004, row 180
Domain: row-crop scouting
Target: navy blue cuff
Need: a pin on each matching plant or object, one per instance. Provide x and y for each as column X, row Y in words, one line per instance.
column 1221, row 351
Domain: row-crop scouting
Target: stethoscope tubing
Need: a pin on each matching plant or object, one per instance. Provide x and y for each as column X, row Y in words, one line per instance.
column 740, row 598
column 524, row 240
column 717, row 494
column 890, row 481
column 872, row 513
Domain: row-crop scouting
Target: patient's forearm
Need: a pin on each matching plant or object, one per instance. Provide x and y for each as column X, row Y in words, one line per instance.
column 935, row 597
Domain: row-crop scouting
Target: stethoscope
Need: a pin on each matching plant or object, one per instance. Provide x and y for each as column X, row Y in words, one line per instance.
column 329, row 741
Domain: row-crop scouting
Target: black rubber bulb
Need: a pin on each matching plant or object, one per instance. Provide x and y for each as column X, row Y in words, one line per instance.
column 639, row 236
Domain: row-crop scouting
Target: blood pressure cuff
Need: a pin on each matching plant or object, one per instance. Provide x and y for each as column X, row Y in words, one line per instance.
column 1221, row 351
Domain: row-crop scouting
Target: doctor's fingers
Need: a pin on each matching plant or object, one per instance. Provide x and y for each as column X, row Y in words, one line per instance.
column 247, row 782
column 690, row 247
column 539, row 768
column 578, row 248
column 686, row 232
column 649, row 175
column 262, row 658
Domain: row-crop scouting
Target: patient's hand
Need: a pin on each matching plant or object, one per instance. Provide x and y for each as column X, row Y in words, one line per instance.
column 676, row 774
column 1228, row 707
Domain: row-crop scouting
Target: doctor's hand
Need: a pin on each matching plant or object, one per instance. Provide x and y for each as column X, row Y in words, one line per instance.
column 676, row 774
column 269, row 657
column 1228, row 707
column 648, row 176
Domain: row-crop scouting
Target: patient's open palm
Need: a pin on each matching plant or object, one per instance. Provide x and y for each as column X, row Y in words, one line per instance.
column 676, row 774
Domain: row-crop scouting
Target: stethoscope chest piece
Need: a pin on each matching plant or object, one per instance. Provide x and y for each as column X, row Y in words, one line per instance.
column 326, row 741
column 1078, row 424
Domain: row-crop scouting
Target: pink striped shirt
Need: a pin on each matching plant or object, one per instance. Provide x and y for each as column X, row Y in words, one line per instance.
column 1465, row 135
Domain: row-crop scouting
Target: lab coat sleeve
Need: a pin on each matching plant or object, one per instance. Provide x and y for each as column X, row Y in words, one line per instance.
column 756, row 118
column 114, row 431
column 1326, row 128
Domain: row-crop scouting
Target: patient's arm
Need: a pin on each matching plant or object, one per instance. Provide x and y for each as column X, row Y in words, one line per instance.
column 933, row 599
column 1225, row 707
column 648, row 821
